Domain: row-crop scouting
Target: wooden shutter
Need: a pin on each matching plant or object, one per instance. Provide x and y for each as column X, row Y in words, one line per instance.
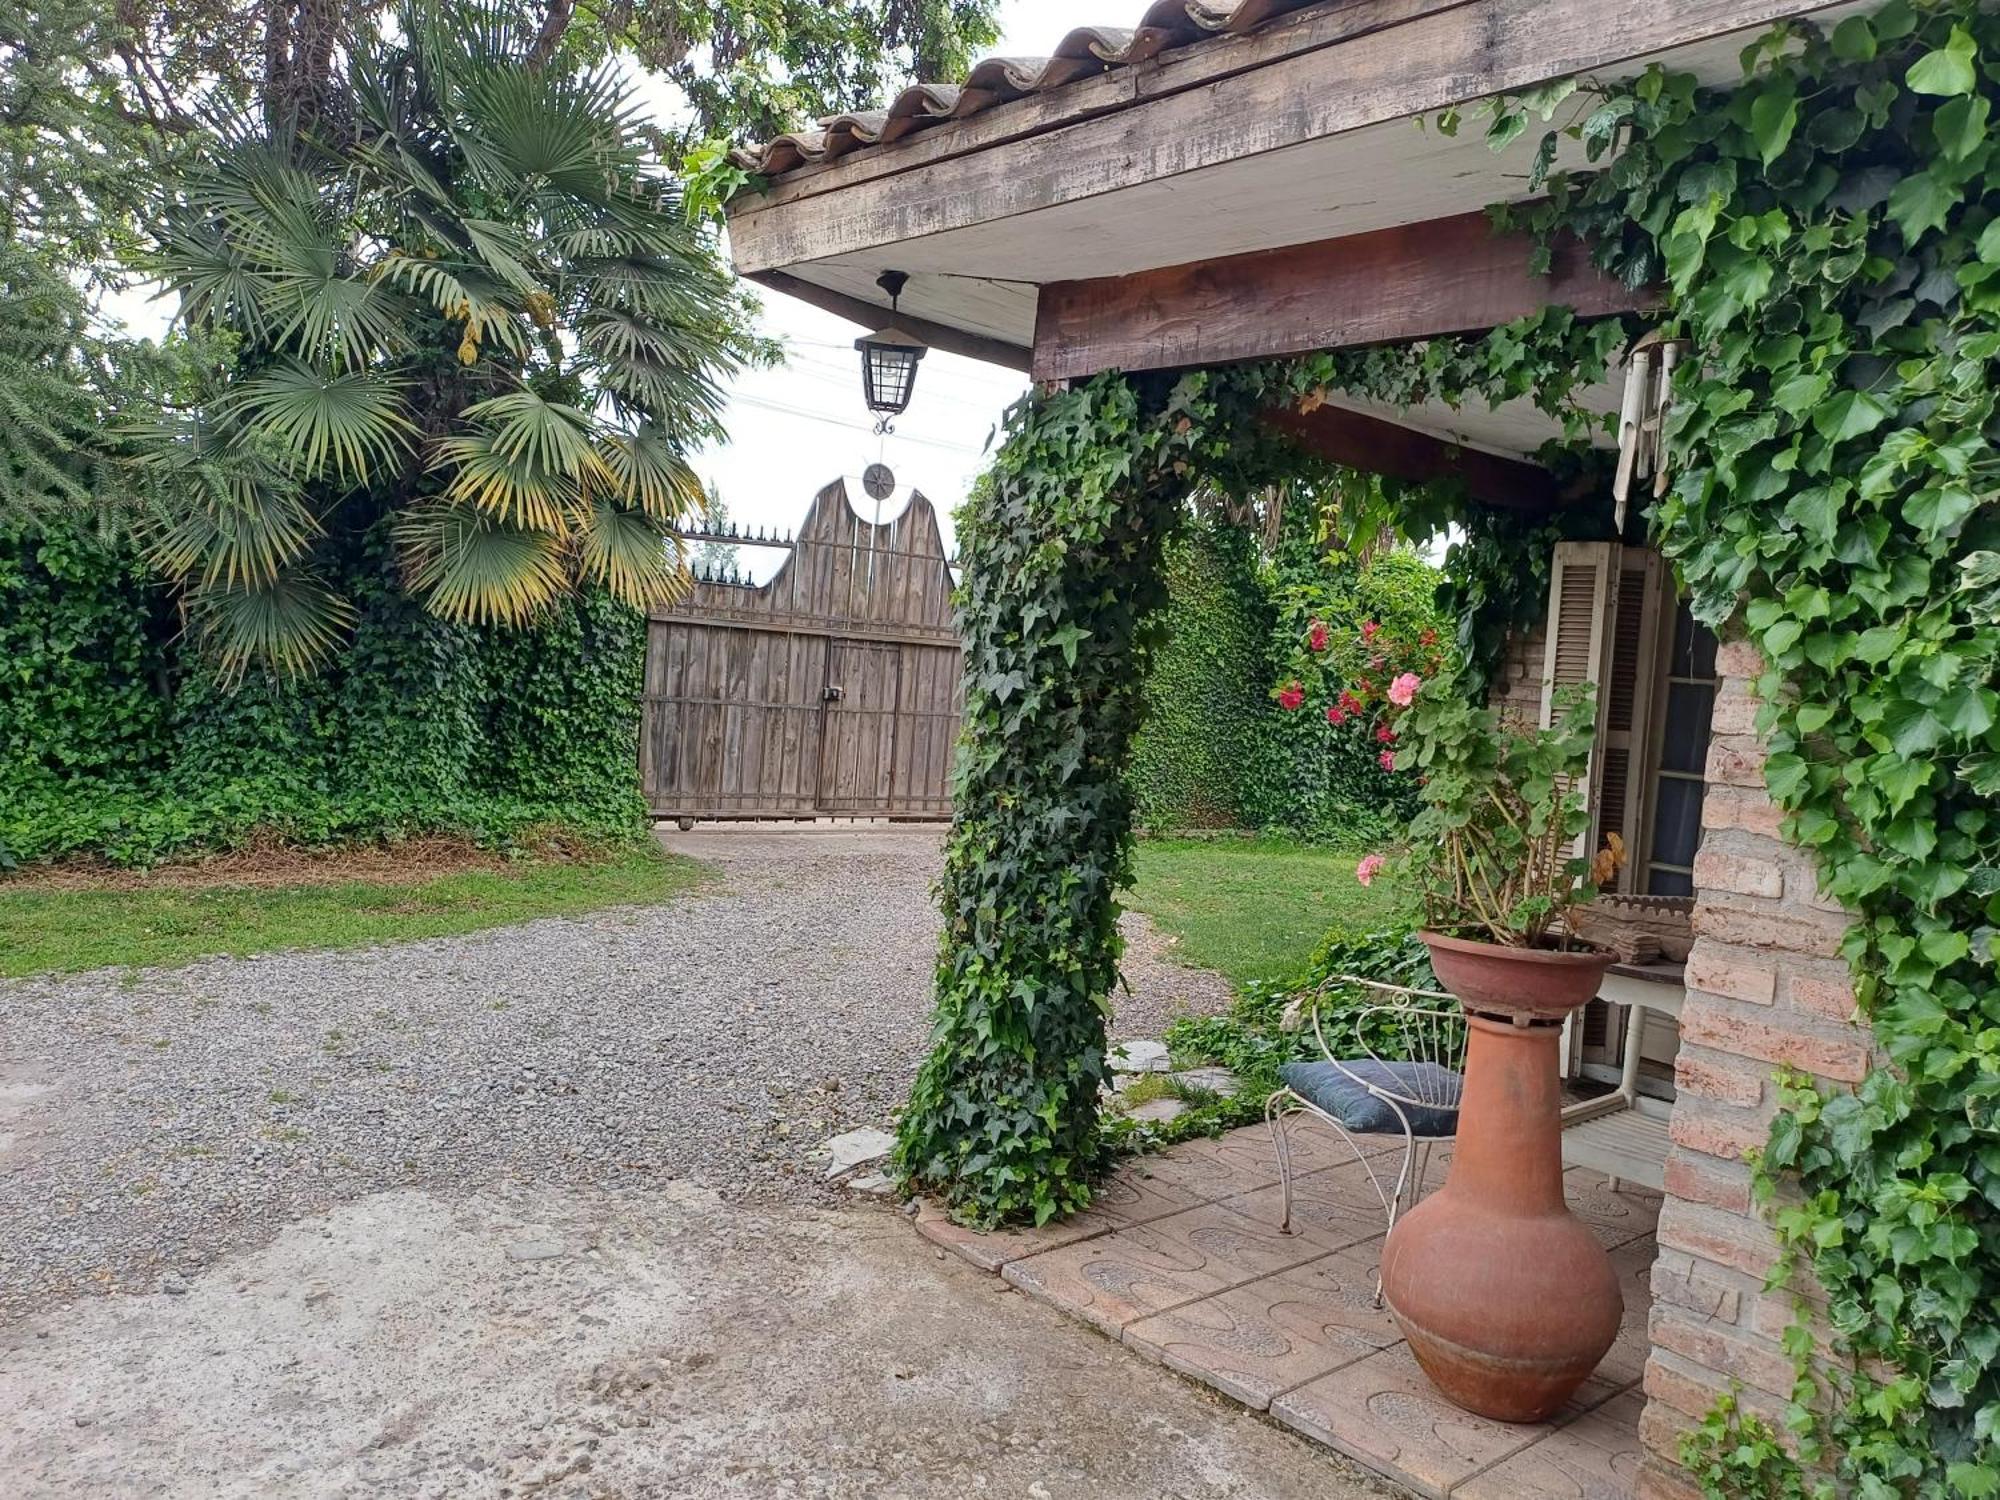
column 1605, row 608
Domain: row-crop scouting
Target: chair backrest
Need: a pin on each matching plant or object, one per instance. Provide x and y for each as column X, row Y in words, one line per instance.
column 1416, row 1026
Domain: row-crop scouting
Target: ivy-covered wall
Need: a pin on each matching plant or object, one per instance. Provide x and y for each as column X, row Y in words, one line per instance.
column 117, row 741
column 1215, row 751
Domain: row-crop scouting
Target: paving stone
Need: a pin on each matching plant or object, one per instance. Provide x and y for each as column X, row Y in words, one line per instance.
column 1595, row 1457
column 856, row 1148
column 1156, row 1111
column 1270, row 1335
column 1615, row 1218
column 1215, row 1080
column 1142, row 1056
column 1131, row 1195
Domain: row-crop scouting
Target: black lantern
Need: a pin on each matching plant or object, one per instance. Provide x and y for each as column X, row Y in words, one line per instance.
column 889, row 359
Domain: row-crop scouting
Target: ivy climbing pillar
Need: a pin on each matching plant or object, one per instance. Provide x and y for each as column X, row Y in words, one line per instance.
column 1062, row 547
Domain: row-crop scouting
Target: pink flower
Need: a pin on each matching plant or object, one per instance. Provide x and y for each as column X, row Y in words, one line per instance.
column 1369, row 629
column 1349, row 704
column 1404, row 689
column 1316, row 637
column 1291, row 696
column 1384, row 735
column 1369, row 868
column 1334, row 714
column 1388, row 760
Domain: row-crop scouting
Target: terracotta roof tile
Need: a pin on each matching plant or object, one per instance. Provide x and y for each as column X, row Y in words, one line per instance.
column 993, row 81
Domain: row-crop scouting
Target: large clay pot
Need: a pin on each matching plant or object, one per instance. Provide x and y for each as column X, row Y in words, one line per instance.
column 1506, row 1298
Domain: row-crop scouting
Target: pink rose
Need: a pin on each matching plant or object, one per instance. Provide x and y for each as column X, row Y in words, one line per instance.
column 1384, row 735
column 1334, row 715
column 1291, row 696
column 1370, row 866
column 1388, row 760
column 1404, row 689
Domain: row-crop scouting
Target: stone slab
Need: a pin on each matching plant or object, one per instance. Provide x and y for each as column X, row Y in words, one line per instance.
column 1595, row 1457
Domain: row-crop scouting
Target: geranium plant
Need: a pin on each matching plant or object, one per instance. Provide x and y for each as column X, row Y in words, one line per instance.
column 1495, row 851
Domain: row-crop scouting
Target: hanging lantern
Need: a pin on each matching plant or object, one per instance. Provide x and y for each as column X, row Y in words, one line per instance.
column 889, row 359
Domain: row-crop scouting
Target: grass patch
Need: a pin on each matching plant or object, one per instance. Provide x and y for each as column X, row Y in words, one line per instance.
column 1253, row 909
column 63, row 927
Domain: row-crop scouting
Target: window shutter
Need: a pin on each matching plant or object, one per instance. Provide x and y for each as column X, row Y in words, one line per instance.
column 1583, row 587
column 1625, row 720
column 1605, row 607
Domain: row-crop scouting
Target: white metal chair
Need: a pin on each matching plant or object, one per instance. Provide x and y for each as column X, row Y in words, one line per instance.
column 1407, row 1079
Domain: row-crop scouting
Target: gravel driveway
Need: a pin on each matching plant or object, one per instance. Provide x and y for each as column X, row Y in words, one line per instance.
column 153, row 1121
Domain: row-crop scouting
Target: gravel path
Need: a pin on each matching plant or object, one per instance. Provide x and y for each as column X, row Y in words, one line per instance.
column 152, row 1121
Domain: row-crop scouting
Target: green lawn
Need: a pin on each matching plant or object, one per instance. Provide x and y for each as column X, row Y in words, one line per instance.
column 50, row 929
column 1252, row 908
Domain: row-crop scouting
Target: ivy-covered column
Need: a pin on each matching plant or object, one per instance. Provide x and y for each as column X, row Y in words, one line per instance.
column 1062, row 548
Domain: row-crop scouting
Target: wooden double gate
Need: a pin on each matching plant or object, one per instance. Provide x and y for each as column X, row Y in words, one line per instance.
column 831, row 690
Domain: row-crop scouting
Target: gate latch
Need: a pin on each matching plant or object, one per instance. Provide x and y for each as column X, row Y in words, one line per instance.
column 833, row 694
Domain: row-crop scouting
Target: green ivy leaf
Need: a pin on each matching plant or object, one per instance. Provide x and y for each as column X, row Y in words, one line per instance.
column 1938, row 509
column 1948, row 70
column 1960, row 126
column 1774, row 113
column 1849, row 414
column 1920, row 203
column 1854, row 40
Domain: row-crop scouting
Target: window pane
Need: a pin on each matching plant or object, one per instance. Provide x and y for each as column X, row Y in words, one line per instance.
column 1676, row 822
column 1694, row 647
column 1669, row 883
column 1684, row 737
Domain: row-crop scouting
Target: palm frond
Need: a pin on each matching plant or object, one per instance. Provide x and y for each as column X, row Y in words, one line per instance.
column 514, row 490
column 628, row 554
column 227, row 515
column 292, row 623
column 469, row 566
column 651, row 473
column 459, row 295
column 350, row 422
column 557, row 439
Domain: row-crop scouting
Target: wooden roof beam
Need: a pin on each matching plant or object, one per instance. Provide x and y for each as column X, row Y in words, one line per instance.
column 1379, row 446
column 1417, row 281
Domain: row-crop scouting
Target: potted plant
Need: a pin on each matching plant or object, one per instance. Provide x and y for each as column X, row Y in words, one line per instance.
column 1476, row 1273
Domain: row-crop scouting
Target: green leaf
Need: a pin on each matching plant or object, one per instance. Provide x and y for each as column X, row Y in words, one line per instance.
column 1936, row 510
column 1849, row 414
column 1854, row 40
column 1773, row 115
column 1960, row 126
column 1920, row 203
column 1947, row 71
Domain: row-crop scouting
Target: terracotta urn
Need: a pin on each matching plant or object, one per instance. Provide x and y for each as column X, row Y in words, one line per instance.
column 1506, row 1297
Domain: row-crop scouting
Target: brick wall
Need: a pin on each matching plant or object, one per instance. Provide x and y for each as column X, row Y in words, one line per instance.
column 1516, row 689
column 1765, row 987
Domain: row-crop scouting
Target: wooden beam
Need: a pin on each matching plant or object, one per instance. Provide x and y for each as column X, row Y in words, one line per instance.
column 1354, row 75
column 872, row 316
column 1362, row 441
column 1419, row 281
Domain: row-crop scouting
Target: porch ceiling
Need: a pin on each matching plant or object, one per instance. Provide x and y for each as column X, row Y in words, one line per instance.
column 1286, row 126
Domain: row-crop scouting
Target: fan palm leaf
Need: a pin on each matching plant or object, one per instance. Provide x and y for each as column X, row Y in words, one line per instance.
column 511, row 488
column 293, row 622
column 650, row 472
column 470, row 566
column 630, row 556
column 347, row 424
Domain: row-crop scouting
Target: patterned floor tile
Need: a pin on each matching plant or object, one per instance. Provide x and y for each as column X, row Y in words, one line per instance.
column 1596, row 1457
column 1338, row 1204
column 1633, row 1262
column 1384, row 1412
column 1280, row 1331
column 1131, row 1195
column 1121, row 1277
column 1615, row 1218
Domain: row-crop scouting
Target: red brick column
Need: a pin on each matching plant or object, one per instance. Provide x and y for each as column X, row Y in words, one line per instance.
column 1765, row 988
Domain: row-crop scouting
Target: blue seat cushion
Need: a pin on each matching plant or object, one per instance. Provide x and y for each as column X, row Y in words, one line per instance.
column 1346, row 1096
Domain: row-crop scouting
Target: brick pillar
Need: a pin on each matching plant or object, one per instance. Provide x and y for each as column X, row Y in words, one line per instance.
column 1765, row 987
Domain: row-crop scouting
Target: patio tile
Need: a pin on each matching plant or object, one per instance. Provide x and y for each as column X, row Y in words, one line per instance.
column 1277, row 1332
column 1384, row 1412
column 1338, row 1204
column 1596, row 1457
column 1626, row 1362
column 1133, row 1272
column 1131, row 1195
column 1615, row 1218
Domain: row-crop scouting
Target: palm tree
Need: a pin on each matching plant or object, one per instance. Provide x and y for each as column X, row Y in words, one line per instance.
column 465, row 301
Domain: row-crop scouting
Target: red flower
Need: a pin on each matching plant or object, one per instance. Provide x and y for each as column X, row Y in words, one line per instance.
column 1368, row 629
column 1388, row 760
column 1291, row 696
column 1316, row 637
column 1384, row 735
column 1335, row 714
column 1349, row 704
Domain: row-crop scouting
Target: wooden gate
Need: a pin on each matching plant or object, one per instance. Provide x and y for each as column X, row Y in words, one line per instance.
column 831, row 690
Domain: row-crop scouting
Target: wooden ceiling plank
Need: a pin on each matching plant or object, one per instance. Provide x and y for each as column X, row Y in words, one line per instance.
column 1418, row 281
column 872, row 315
column 1380, row 446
